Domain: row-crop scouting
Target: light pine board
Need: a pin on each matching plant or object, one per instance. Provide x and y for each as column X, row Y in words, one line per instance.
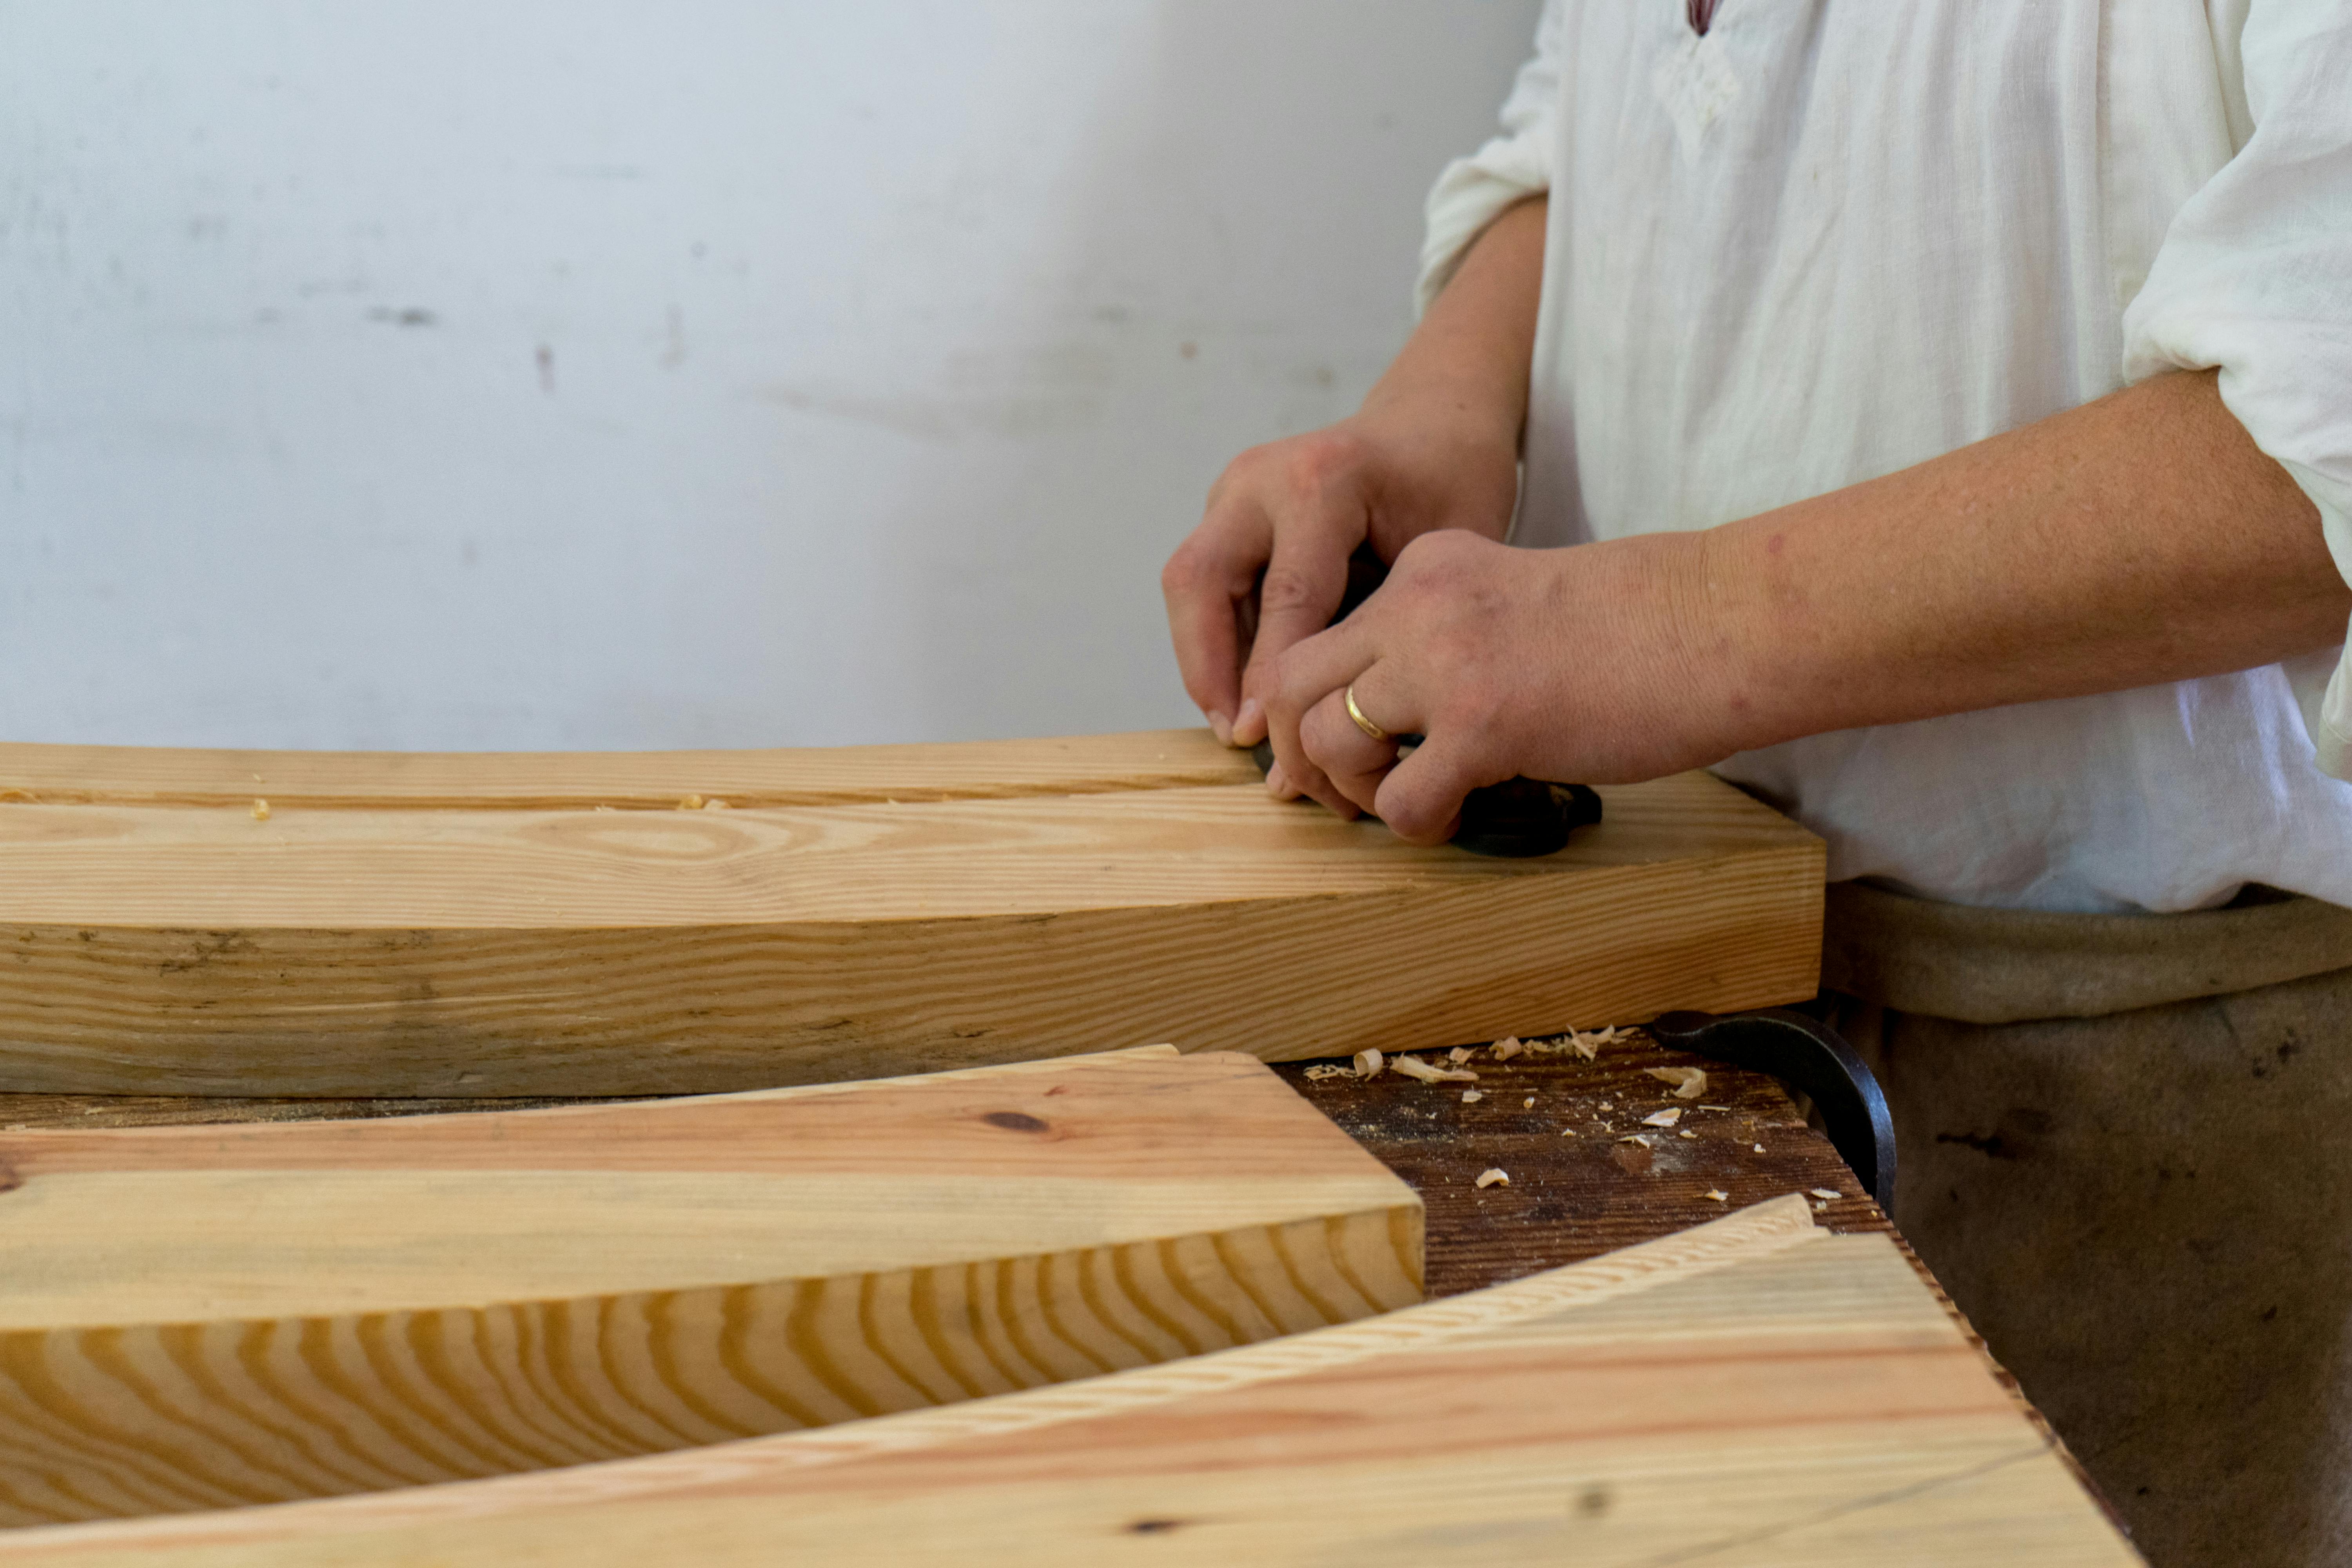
column 200, row 1317
column 1753, row 1392
column 623, row 781
column 507, row 948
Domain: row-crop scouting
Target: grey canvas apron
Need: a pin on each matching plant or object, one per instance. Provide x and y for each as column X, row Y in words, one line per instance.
column 2125, row 1147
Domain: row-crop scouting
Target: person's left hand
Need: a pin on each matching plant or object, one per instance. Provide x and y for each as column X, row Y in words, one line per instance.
column 1579, row 665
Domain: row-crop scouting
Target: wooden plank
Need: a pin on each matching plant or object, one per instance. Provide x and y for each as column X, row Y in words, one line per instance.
column 1570, row 1197
column 1752, row 1390
column 192, row 950
column 622, row 781
column 197, row 1318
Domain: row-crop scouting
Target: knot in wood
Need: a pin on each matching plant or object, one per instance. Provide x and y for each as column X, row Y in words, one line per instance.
column 1015, row 1121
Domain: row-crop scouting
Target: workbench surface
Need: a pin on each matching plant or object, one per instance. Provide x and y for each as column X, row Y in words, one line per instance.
column 1577, row 1188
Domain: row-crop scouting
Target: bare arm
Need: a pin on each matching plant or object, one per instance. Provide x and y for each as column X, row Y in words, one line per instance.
column 1434, row 447
column 1469, row 357
column 2139, row 539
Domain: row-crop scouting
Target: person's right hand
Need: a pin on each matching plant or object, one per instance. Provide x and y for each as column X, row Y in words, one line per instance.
column 1269, row 564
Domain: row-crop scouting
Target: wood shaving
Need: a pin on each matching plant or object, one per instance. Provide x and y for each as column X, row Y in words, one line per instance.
column 1665, row 1117
column 1471, row 1097
column 1321, row 1070
column 1716, row 1194
column 1759, row 1148
column 1368, row 1063
column 1685, row 1132
column 1528, row 1103
column 1588, row 1046
column 260, row 809
column 1503, row 1050
column 1827, row 1192
column 1689, row 1082
column 1430, row 1072
column 1458, row 1055
column 690, row 803
column 1492, row 1177
column 1641, row 1137
column 1567, row 1132
column 1607, row 1105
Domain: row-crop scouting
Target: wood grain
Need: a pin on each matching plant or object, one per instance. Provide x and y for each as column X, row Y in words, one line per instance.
column 621, row 781
column 1752, row 1391
column 154, row 948
column 196, row 1318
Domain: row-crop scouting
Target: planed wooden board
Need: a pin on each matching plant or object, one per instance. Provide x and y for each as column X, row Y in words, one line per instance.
column 621, row 781
column 510, row 949
column 1753, row 1390
column 201, row 1317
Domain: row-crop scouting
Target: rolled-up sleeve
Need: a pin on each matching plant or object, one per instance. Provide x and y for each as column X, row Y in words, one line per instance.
column 1474, row 192
column 2255, row 276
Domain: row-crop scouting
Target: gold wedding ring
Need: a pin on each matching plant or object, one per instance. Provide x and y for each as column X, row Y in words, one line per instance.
column 1366, row 726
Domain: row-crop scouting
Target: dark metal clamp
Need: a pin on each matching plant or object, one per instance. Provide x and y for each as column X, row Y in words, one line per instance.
column 1806, row 1055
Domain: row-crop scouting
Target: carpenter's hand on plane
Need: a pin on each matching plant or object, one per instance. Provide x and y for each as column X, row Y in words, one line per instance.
column 1269, row 564
column 1573, row 665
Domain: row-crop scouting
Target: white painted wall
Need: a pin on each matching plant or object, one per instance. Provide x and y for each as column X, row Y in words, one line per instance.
column 551, row 374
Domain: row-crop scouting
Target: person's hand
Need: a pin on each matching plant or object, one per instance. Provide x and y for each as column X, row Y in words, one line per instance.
column 1582, row 665
column 1269, row 564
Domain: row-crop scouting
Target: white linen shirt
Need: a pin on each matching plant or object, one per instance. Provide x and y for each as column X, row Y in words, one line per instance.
column 1826, row 241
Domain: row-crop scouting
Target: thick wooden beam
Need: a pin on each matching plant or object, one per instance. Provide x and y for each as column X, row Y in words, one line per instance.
column 203, row 1316
column 505, row 951
column 1753, row 1390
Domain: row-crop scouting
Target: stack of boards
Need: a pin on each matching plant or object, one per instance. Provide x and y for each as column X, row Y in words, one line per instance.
column 198, row 1318
column 1753, row 1390
column 1084, row 1308
column 330, row 924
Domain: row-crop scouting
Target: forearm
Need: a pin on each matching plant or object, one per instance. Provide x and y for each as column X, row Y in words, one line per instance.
column 1469, row 357
column 2139, row 539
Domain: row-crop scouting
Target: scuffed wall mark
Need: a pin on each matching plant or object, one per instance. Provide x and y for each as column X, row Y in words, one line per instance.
column 927, row 418
column 411, row 316
column 545, row 357
column 672, row 352
column 1008, row 392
